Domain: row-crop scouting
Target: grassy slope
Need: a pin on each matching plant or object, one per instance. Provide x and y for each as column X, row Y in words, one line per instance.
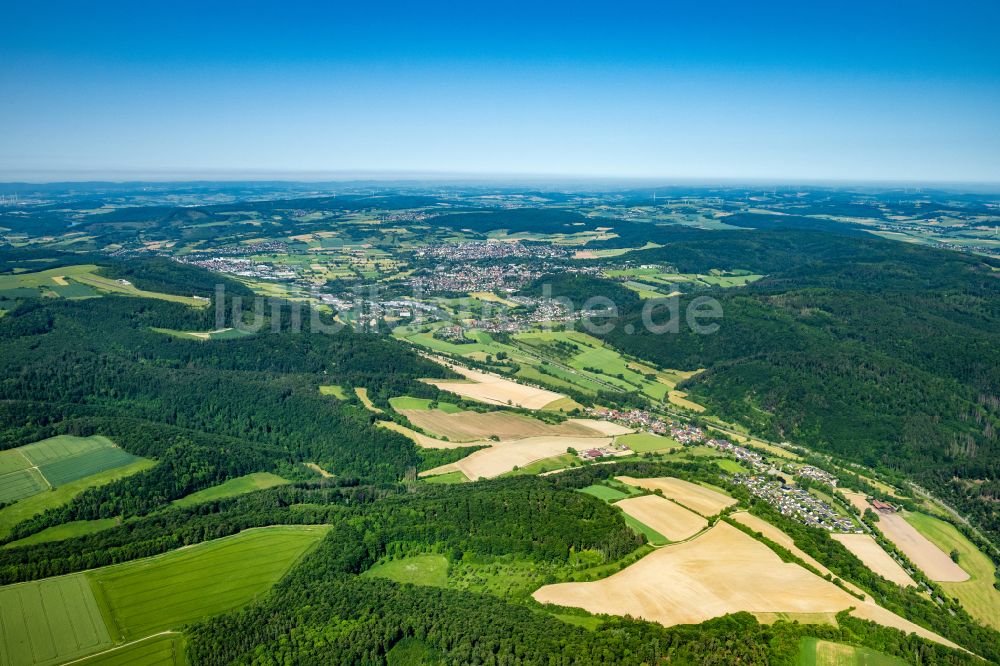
column 167, row 591
column 450, row 477
column 816, row 652
column 334, row 390
column 545, row 465
column 977, row 594
column 65, row 531
column 233, row 487
column 406, row 402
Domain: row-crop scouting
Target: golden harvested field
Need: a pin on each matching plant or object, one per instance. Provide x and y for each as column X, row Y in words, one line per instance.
column 426, row 442
column 720, row 571
column 876, row 559
column 505, row 456
column 679, row 398
column 782, row 539
column 918, row 549
column 668, row 518
column 603, row 427
column 494, row 389
column 465, row 426
column 699, row 499
column 857, row 500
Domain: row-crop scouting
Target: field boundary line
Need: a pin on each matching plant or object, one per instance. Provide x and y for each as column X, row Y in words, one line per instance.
column 169, row 632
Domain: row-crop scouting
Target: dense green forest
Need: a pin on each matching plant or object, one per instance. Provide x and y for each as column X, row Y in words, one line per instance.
column 882, row 352
column 207, row 410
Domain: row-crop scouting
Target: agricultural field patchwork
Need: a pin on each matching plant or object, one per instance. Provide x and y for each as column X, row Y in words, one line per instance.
column 505, row 456
column 39, row 502
column 51, row 463
column 977, row 593
column 668, row 518
column 699, row 499
column 720, row 571
column 159, row 650
column 920, row 550
column 868, row 551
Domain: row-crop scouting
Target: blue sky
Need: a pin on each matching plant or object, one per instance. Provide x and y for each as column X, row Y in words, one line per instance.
column 745, row 90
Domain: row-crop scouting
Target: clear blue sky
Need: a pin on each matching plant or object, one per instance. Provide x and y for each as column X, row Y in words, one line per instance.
column 698, row 89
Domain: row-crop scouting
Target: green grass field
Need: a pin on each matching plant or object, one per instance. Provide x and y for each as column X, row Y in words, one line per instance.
column 406, row 402
column 337, row 392
column 449, row 477
column 418, row 569
column 50, row 621
column 732, row 466
column 644, row 442
column 160, row 650
column 167, row 591
column 816, row 652
column 12, row 460
column 233, row 487
column 977, row 594
column 23, row 483
column 32, row 506
column 65, row 531
column 545, row 465
column 604, row 493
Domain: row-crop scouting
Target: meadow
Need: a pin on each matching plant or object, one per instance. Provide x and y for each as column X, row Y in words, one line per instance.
column 167, row 591
column 644, row 442
column 65, row 531
column 233, row 487
column 337, row 392
column 406, row 402
column 817, row 652
column 418, row 570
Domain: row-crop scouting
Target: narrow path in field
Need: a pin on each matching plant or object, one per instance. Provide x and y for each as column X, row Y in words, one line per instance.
column 121, row 646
